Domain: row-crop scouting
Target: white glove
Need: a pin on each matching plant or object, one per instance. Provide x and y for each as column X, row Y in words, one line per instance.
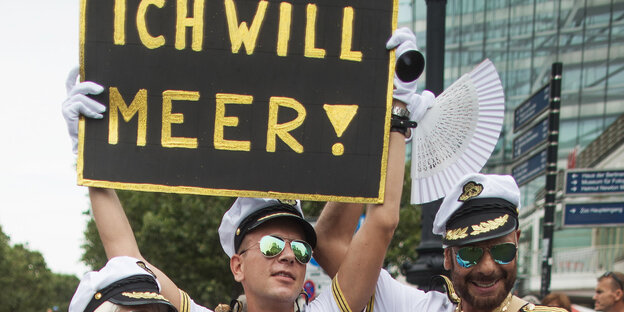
column 78, row 103
column 404, row 40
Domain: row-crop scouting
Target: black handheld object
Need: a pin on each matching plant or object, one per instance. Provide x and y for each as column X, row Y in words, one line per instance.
column 410, row 65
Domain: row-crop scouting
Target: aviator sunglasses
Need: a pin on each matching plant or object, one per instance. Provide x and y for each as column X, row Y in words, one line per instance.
column 271, row 246
column 502, row 254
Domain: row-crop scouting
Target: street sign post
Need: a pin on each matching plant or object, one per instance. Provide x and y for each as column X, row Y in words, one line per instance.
column 530, row 168
column 593, row 214
column 530, row 139
column 585, row 182
column 531, row 108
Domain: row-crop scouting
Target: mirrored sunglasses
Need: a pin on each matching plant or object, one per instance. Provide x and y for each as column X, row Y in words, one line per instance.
column 271, row 246
column 502, row 254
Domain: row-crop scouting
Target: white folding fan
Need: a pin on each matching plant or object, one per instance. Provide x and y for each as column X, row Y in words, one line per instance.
column 457, row 135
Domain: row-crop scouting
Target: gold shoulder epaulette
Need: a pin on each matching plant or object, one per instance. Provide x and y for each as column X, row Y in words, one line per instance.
column 540, row 308
column 184, row 301
column 450, row 290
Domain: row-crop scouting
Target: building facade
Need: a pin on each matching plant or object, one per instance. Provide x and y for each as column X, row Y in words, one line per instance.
column 523, row 38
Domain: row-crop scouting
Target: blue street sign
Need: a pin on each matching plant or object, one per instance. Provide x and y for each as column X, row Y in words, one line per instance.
column 530, row 139
column 531, row 108
column 583, row 182
column 530, row 169
column 594, row 214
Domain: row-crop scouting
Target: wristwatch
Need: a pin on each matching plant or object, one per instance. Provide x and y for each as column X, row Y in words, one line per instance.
column 400, row 112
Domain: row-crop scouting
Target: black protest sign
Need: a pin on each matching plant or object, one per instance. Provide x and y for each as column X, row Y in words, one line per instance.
column 284, row 99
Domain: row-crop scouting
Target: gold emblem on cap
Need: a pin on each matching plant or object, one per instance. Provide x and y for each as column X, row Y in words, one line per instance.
column 98, row 296
column 456, row 234
column 238, row 231
column 142, row 265
column 470, row 190
column 489, row 225
column 291, row 202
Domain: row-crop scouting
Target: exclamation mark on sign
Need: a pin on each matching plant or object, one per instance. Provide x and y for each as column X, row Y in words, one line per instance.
column 340, row 117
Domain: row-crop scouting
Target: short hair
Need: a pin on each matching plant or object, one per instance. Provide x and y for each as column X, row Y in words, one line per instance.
column 557, row 299
column 617, row 279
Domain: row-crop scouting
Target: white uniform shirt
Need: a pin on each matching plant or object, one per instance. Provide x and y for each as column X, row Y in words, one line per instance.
column 390, row 295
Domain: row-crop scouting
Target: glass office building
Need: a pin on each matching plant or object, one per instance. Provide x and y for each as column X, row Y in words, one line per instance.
column 523, row 38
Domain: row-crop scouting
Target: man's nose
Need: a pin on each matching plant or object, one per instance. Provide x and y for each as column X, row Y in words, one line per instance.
column 287, row 254
column 487, row 265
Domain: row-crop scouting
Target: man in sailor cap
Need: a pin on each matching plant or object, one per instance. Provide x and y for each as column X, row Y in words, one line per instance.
column 478, row 221
column 123, row 284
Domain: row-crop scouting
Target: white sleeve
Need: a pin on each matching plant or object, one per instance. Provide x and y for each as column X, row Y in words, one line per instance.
column 188, row 305
column 323, row 303
column 391, row 295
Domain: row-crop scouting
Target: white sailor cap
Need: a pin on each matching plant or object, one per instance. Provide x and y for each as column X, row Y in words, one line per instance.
column 246, row 214
column 124, row 281
column 478, row 208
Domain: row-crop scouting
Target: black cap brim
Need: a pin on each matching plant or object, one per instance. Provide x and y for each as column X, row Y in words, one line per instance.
column 131, row 291
column 480, row 220
column 282, row 211
column 141, row 299
column 308, row 229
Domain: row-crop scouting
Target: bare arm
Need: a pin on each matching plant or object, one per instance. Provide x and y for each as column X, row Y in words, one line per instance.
column 359, row 267
column 118, row 238
column 334, row 232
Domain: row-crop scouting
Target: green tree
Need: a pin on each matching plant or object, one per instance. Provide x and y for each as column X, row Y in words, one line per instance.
column 26, row 282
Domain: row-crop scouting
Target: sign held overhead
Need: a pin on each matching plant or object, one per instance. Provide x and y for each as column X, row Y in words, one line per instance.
column 239, row 97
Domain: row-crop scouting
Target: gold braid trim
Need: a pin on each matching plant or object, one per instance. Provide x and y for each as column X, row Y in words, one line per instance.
column 341, row 301
column 143, row 295
column 371, row 304
column 185, row 305
column 456, row 234
column 450, row 290
column 489, row 225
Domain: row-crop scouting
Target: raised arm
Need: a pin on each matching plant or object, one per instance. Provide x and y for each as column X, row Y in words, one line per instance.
column 357, row 259
column 334, row 231
column 110, row 218
column 118, row 238
column 360, row 266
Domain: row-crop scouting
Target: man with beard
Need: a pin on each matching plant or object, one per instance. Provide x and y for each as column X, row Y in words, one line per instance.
column 609, row 295
column 478, row 220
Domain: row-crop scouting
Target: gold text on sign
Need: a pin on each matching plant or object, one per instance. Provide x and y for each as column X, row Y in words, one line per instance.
column 242, row 31
column 223, row 121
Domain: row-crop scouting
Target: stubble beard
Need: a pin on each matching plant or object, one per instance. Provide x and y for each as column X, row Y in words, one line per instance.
column 483, row 303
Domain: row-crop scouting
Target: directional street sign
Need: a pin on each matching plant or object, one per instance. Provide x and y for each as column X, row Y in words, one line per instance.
column 594, row 214
column 530, row 169
column 583, row 182
column 529, row 140
column 531, row 108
